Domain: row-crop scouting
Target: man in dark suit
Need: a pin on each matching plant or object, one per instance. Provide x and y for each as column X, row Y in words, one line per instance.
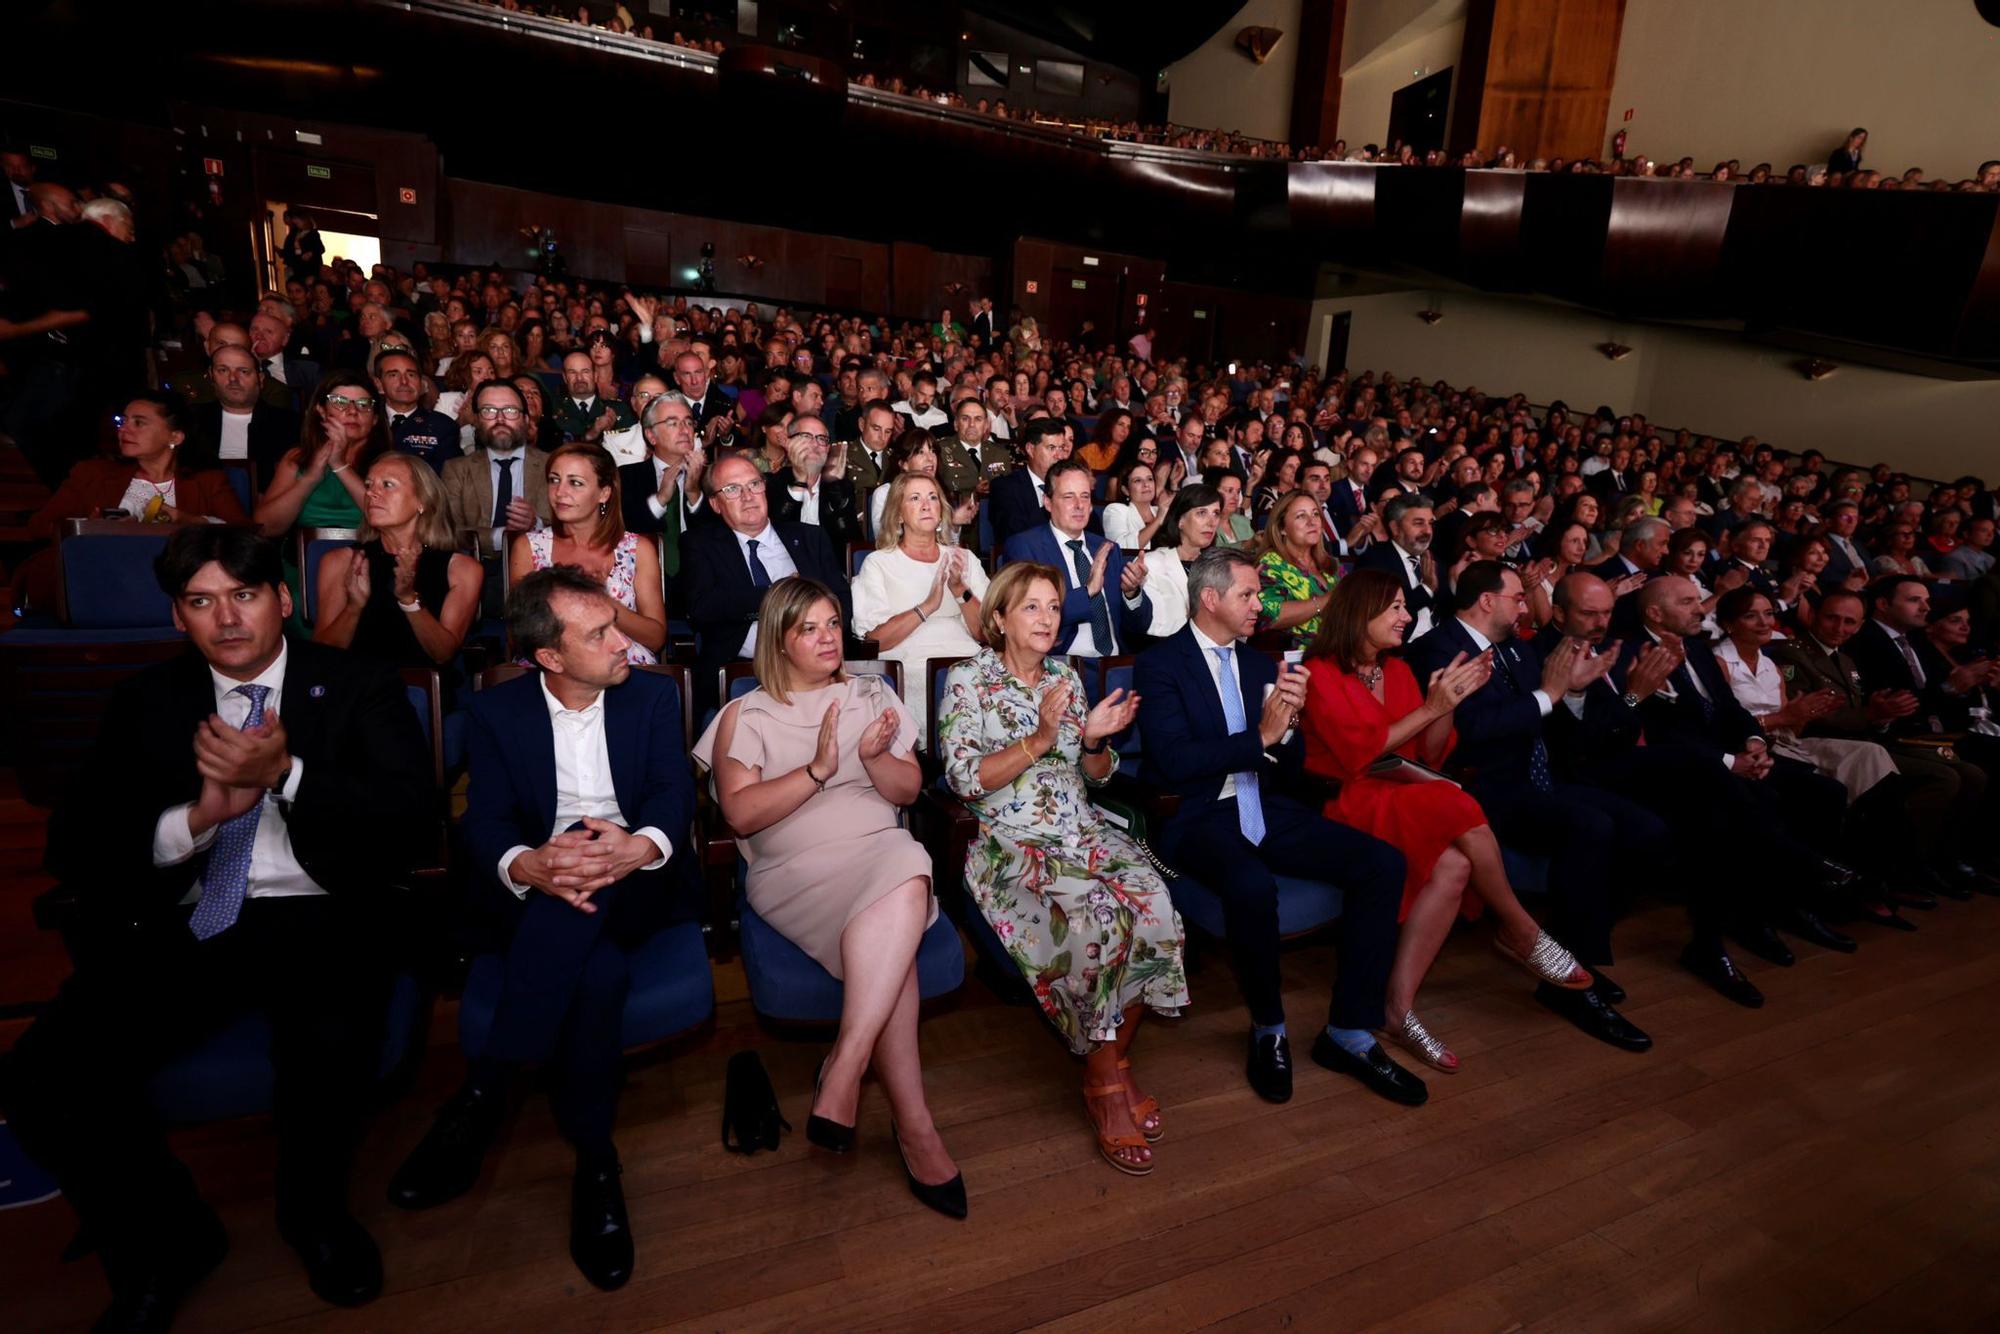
column 1210, row 708
column 1697, row 711
column 1407, row 555
column 580, row 413
column 270, row 338
column 238, row 424
column 982, row 321
column 1349, row 500
column 661, row 493
column 1504, row 760
column 1892, row 652
column 1019, row 500
column 728, row 567
column 691, row 377
column 414, row 428
column 812, row 487
column 579, row 795
column 233, row 845
column 1097, row 621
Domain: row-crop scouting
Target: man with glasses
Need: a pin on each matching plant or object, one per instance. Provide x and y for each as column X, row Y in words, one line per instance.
column 730, row 565
column 813, row 487
column 502, row 487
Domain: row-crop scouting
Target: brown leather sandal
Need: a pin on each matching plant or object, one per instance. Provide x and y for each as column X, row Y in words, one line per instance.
column 1108, row 1146
column 1150, row 1107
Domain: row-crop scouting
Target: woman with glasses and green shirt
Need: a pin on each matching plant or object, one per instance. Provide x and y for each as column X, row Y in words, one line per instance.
column 319, row 482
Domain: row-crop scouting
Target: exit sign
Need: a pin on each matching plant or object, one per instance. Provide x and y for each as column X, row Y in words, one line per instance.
column 1078, row 283
column 211, row 166
column 319, row 173
column 406, row 195
column 42, row 152
column 1033, row 287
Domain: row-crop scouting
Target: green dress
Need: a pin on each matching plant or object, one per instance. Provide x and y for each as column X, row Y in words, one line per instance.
column 1285, row 582
column 1080, row 911
column 328, row 505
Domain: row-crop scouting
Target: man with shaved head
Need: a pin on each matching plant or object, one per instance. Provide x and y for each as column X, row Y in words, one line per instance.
column 243, row 427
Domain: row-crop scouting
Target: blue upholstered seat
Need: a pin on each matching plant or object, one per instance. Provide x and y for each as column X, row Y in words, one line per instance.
column 671, row 990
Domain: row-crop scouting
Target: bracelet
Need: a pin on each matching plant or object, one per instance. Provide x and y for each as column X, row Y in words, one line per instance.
column 341, row 469
column 1103, row 744
column 1025, row 751
column 819, row 784
column 412, row 606
column 922, row 616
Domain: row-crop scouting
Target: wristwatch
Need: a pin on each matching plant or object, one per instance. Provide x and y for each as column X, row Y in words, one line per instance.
column 1631, row 700
column 284, row 777
column 966, row 596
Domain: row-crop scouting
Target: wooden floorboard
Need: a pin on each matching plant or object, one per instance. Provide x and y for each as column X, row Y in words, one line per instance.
column 1831, row 1162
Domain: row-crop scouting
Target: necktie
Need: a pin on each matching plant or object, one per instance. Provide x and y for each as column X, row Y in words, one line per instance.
column 1249, row 804
column 1100, row 610
column 1694, row 685
column 1538, row 755
column 1910, row 658
column 670, row 528
column 227, row 878
column 397, row 419
column 1416, row 579
column 503, row 496
column 759, row 576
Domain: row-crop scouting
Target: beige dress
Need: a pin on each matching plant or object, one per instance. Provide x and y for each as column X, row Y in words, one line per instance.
column 814, row 871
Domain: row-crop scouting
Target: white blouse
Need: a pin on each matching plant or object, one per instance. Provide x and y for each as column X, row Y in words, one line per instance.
column 1122, row 524
column 891, row 582
column 1167, row 590
column 1760, row 691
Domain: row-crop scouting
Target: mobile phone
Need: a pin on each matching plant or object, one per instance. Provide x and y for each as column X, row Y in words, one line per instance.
column 1294, row 656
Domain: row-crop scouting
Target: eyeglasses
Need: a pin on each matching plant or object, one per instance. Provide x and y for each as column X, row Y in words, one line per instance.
column 735, row 489
column 511, row 414
column 813, row 436
column 343, row 401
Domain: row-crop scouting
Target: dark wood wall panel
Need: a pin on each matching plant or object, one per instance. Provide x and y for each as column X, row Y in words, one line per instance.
column 1537, row 76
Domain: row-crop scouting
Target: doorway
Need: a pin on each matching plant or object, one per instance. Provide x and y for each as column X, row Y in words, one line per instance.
column 1417, row 112
column 346, row 235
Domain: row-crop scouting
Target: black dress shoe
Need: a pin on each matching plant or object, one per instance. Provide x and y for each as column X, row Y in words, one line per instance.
column 1609, row 991
column 600, row 1237
column 342, row 1263
column 146, row 1300
column 1809, row 928
column 824, row 1131
column 1719, row 971
column 1375, row 1069
column 446, row 1162
column 1968, row 876
column 1881, row 914
column 1954, row 887
column 1763, row 942
column 1270, row 1067
column 1592, row 1013
column 947, row 1197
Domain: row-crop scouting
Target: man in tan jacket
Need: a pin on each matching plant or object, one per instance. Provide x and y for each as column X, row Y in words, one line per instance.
column 502, row 486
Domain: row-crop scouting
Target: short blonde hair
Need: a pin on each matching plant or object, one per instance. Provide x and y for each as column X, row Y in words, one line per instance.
column 434, row 528
column 1005, row 593
column 891, row 535
column 783, row 608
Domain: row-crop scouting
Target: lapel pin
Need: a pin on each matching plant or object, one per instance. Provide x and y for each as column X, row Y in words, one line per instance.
column 317, row 692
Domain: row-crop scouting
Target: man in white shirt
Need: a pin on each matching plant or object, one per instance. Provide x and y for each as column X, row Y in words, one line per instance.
column 579, row 795
column 661, row 493
column 234, row 848
column 921, row 406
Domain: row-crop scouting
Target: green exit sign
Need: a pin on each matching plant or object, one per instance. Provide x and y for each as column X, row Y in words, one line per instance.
column 1078, row 283
column 1201, row 314
column 320, row 173
column 42, row 151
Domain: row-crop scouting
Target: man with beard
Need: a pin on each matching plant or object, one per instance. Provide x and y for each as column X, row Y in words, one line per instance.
column 501, row 487
column 1407, row 556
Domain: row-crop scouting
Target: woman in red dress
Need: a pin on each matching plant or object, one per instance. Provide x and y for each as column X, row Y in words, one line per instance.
column 1363, row 704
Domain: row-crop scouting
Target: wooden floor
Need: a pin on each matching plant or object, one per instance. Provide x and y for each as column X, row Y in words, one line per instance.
column 1831, row 1162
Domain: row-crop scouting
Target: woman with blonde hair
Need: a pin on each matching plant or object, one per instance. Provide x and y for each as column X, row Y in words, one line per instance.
column 403, row 595
column 809, row 770
column 1298, row 572
column 918, row 596
column 587, row 530
column 500, row 349
column 1079, row 909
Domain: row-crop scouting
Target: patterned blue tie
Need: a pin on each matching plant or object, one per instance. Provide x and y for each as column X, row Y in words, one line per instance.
column 1100, row 610
column 227, row 878
column 760, row 575
column 1538, row 754
column 1249, row 805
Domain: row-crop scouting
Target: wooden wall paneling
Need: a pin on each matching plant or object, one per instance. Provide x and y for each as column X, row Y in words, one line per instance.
column 913, row 278
column 1663, row 247
column 1332, row 207
column 1316, row 77
column 1536, row 76
column 1033, row 268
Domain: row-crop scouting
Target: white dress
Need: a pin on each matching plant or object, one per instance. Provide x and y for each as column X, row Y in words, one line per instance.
column 1858, row 765
column 890, row 583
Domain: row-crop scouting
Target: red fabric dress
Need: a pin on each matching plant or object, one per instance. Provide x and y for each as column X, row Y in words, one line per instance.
column 1345, row 726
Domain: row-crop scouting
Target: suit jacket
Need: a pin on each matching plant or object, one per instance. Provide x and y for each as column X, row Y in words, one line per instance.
column 1807, row 665
column 713, row 403
column 273, row 430
column 1128, row 624
column 367, row 808
column 1497, row 724
column 1608, row 486
column 510, row 798
column 1347, row 508
column 1189, row 749
column 1718, row 729
column 982, row 325
column 468, row 492
column 1883, row 667
column 862, row 470
column 1013, row 505
column 575, row 424
column 636, row 487
column 839, row 512
column 722, row 602
column 431, row 436
column 957, row 468
column 302, row 377
column 1383, row 556
column 1838, row 566
column 1579, row 746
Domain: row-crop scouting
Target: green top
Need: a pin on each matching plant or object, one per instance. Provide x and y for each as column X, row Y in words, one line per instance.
column 329, row 505
column 1285, row 582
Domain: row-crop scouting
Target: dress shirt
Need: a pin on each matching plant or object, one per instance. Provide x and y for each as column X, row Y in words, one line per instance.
column 275, row 872
column 1542, row 700
column 689, row 503
column 235, row 442
column 776, row 559
column 519, row 461
column 1410, row 563
column 583, row 782
column 1084, row 643
column 21, row 206
column 275, row 368
column 1235, row 682
column 807, row 494
column 1967, row 562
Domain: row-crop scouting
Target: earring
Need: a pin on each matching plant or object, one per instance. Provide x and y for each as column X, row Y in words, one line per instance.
column 603, row 508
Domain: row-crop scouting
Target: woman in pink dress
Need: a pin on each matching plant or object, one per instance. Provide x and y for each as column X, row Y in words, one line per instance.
column 587, row 531
column 1363, row 705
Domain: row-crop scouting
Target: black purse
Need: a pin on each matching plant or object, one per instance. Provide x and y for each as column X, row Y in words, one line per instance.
column 750, row 1106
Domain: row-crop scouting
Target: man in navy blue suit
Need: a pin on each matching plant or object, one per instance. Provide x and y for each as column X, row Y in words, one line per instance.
column 1210, row 709
column 579, row 795
column 1020, row 496
column 1503, row 759
column 1097, row 622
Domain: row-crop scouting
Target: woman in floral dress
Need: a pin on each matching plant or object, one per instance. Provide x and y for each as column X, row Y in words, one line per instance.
column 587, row 530
column 1080, row 911
column 1297, row 570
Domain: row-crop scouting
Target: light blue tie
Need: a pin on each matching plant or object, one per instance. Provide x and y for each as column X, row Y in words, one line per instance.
column 1249, row 806
column 227, row 878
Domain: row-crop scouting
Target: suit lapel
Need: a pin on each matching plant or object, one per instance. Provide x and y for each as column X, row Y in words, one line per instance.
column 622, row 740
column 537, row 731
column 1204, row 683
column 303, row 707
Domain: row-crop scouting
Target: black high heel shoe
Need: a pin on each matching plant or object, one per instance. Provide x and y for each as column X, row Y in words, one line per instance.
column 828, row 1134
column 947, row 1197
